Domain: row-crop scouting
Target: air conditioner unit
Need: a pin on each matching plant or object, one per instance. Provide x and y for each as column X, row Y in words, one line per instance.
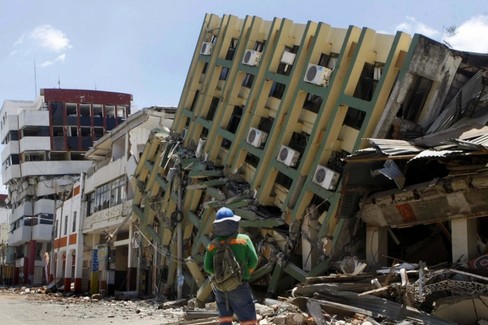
column 256, row 137
column 206, row 48
column 288, row 58
column 288, row 156
column 318, row 75
column 326, row 178
column 251, row 57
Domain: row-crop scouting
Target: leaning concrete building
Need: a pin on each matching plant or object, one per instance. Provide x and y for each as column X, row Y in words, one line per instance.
column 268, row 114
column 44, row 145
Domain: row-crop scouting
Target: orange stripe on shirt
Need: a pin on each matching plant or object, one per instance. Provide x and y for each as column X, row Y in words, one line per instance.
column 235, row 241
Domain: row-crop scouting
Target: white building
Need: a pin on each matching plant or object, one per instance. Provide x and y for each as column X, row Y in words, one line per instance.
column 93, row 246
column 44, row 145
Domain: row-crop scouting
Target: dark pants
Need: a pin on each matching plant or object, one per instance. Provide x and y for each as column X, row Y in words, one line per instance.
column 239, row 302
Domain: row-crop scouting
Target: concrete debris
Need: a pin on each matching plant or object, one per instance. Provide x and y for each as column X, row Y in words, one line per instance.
column 442, row 296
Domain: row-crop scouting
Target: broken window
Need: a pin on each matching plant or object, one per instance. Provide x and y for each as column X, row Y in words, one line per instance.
column 367, row 83
column 277, row 90
column 414, row 102
column 231, row 51
column 212, row 109
column 354, row 118
column 312, row 103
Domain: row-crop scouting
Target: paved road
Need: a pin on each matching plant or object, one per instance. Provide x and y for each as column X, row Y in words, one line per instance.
column 17, row 309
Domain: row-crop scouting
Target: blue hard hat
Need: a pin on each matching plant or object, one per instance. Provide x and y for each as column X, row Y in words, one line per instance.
column 224, row 214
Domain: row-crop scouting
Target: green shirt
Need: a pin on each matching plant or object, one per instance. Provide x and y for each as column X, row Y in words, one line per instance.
column 244, row 252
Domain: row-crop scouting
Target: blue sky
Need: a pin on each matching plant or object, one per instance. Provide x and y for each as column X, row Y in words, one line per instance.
column 145, row 47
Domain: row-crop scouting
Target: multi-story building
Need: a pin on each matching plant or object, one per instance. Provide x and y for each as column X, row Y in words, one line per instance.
column 6, row 267
column 268, row 112
column 94, row 235
column 45, row 141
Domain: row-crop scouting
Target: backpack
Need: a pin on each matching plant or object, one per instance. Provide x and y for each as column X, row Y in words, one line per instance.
column 227, row 271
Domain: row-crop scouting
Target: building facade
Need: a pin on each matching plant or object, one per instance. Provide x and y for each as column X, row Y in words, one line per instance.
column 94, row 235
column 44, row 145
column 267, row 116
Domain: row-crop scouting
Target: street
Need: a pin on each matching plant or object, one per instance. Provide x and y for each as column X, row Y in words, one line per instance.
column 19, row 308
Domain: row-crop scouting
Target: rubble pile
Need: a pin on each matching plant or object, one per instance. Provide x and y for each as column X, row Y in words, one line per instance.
column 401, row 294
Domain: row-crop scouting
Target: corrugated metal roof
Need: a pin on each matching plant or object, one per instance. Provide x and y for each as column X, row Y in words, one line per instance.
column 429, row 153
column 394, row 147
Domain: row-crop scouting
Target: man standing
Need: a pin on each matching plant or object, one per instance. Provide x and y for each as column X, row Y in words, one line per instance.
column 240, row 300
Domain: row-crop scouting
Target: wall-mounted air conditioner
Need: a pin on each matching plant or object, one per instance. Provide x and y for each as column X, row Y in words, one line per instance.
column 326, row 178
column 256, row 137
column 288, row 156
column 288, row 58
column 251, row 57
column 206, row 48
column 317, row 75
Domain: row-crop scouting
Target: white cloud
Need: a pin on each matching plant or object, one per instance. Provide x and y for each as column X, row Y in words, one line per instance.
column 470, row 36
column 412, row 26
column 47, row 63
column 50, row 38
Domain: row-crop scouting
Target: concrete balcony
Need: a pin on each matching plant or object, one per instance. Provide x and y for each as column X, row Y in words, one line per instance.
column 108, row 218
column 42, row 233
column 33, row 118
column 20, row 236
column 10, row 124
column 25, row 209
column 11, row 172
column 44, row 206
column 10, row 148
column 35, row 144
column 40, row 168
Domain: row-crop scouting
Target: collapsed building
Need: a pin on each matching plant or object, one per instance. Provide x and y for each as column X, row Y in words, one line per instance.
column 272, row 123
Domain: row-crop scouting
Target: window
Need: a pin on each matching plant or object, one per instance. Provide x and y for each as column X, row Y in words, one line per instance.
column 65, row 232
column 354, row 118
column 118, row 191
column 213, row 108
column 367, row 83
column 223, row 73
column 312, row 103
column 248, row 80
column 73, row 229
column 277, row 90
column 415, row 100
column 231, row 50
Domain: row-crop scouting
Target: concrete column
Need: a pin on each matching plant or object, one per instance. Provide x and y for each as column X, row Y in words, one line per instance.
column 376, row 246
column 59, row 265
column 464, row 234
column 67, row 275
